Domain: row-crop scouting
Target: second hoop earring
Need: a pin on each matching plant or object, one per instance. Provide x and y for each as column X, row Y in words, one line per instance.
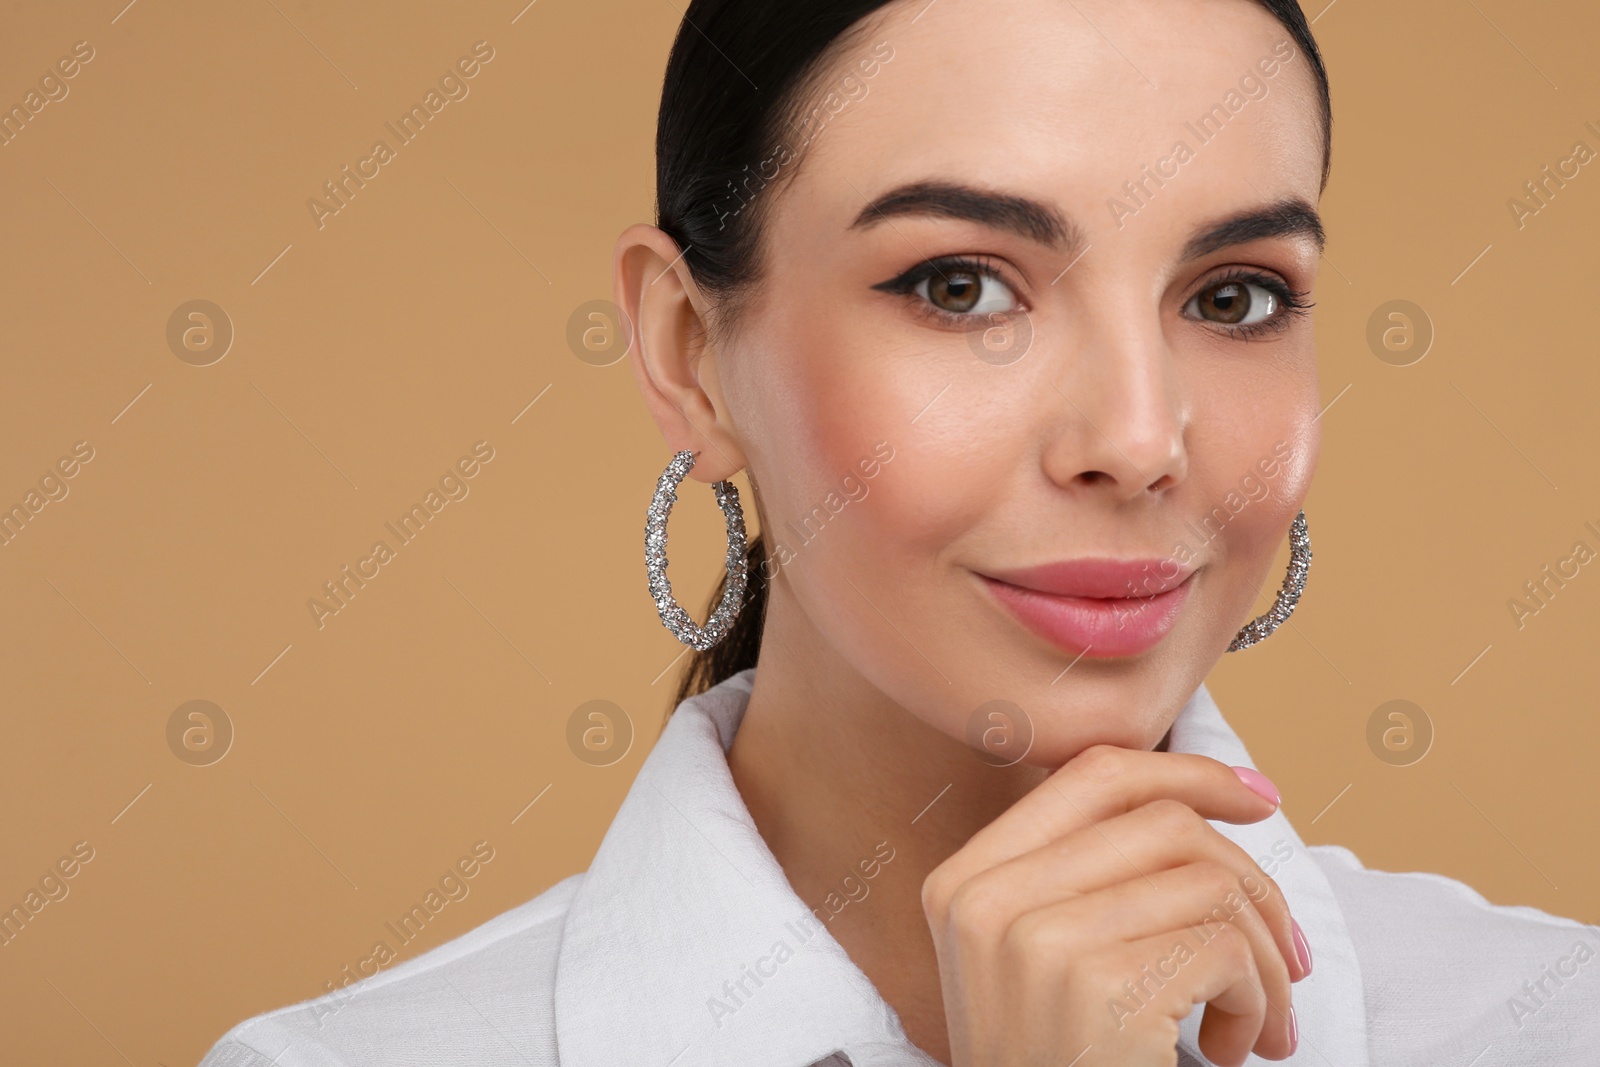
column 1294, row 583
column 673, row 616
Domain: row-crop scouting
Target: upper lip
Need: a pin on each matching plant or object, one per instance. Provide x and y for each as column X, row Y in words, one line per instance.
column 1099, row 578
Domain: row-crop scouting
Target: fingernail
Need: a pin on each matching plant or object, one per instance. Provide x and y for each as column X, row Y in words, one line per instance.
column 1294, row 1030
column 1258, row 782
column 1301, row 948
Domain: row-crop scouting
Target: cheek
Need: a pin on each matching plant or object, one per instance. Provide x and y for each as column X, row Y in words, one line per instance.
column 1275, row 452
column 846, row 426
column 832, row 401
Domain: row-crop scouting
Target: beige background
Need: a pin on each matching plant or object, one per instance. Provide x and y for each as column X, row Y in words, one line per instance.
column 371, row 353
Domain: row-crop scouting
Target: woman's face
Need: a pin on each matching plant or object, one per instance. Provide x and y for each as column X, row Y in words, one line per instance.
column 1099, row 372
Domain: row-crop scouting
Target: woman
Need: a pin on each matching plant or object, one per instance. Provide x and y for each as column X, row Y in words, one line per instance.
column 1002, row 305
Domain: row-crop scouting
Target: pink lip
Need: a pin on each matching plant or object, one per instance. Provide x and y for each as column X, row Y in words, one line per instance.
column 1096, row 607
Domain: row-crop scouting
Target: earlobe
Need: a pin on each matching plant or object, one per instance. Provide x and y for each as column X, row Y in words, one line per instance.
column 672, row 364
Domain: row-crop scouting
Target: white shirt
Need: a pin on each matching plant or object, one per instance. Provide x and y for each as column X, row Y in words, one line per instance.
column 684, row 944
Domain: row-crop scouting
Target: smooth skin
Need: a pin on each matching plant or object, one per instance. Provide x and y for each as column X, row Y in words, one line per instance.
column 1022, row 896
column 1039, row 926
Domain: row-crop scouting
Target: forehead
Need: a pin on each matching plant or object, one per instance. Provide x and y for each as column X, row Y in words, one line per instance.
column 1067, row 101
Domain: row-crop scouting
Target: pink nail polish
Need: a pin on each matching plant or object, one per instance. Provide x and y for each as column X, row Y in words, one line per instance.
column 1258, row 782
column 1301, row 948
column 1294, row 1030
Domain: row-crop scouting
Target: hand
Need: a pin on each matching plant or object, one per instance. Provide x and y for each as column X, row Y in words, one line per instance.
column 1090, row 917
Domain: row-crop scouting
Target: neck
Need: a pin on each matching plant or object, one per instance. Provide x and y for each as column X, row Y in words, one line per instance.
column 859, row 800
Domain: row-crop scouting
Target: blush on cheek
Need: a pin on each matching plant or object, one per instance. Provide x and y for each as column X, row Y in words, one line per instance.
column 1249, row 529
column 921, row 505
column 1298, row 461
column 1263, row 527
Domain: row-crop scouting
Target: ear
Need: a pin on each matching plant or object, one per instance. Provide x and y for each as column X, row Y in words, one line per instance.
column 675, row 368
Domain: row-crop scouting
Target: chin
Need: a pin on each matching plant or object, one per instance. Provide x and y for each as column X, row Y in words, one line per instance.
column 1052, row 748
column 1064, row 723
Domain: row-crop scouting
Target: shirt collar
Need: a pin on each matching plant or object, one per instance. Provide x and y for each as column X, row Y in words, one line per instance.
column 685, row 942
column 1330, row 1004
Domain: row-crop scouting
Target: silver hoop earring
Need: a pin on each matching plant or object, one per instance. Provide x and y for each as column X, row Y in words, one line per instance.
column 672, row 614
column 1294, row 583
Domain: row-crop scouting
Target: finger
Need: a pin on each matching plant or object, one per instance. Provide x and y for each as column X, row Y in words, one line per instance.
column 1160, row 835
column 1103, row 781
column 1188, row 906
column 1223, row 978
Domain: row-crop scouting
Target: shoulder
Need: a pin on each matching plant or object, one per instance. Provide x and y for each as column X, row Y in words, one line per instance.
column 1508, row 976
column 485, row 998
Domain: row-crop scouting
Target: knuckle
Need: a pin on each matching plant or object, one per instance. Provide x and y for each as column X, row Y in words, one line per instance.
column 1039, row 937
column 1101, row 974
column 1100, row 763
column 1234, row 946
column 1256, row 884
column 1260, row 885
column 937, row 889
column 1172, row 816
column 1218, row 880
column 974, row 911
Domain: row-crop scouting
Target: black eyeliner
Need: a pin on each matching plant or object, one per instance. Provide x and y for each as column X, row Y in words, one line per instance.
column 940, row 265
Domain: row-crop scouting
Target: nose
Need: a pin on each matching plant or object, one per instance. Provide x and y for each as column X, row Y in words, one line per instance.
column 1122, row 413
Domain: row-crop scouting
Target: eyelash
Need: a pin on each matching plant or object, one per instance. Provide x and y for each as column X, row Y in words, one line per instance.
column 906, row 283
column 1292, row 302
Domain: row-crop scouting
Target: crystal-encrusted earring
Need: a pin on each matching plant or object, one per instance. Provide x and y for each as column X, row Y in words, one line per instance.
column 673, row 616
column 1294, row 583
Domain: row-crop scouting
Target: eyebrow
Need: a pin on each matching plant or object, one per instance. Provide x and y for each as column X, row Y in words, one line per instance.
column 1291, row 216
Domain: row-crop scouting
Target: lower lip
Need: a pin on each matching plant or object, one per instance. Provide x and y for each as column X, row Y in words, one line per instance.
column 1094, row 626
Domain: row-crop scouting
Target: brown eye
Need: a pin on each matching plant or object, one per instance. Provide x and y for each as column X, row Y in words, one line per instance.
column 955, row 290
column 961, row 292
column 1235, row 303
column 1225, row 303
